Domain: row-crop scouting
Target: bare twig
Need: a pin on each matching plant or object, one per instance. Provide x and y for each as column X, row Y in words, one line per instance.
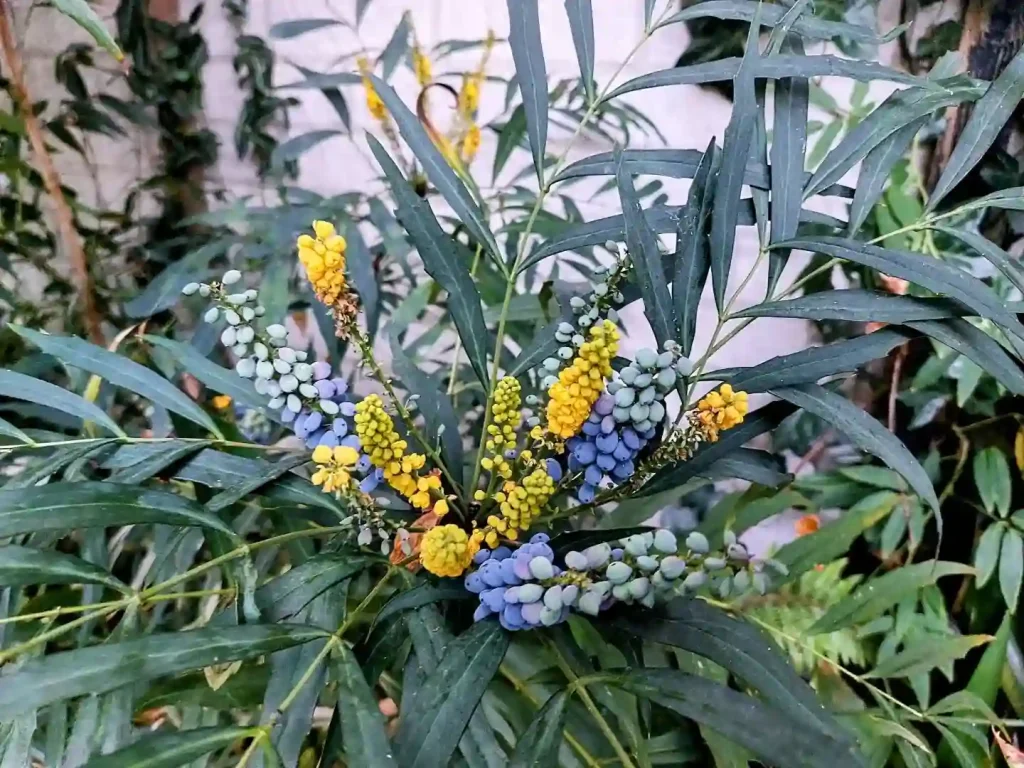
column 51, row 179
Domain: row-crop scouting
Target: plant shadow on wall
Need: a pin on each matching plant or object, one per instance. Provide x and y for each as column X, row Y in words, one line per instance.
column 448, row 571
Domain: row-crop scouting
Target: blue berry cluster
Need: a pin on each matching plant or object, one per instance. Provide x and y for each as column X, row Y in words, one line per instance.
column 605, row 450
column 526, row 589
column 314, row 403
column 521, row 587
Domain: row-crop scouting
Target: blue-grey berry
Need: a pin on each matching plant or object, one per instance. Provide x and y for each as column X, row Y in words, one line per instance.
column 638, row 588
column 577, row 303
column 698, row 542
column 646, row 396
column 684, row 367
column 620, row 415
column 737, row 552
column 231, row 277
column 533, row 421
column 625, row 397
column 639, row 412
column 585, row 322
column 260, row 350
column 248, row 314
column 227, row 337
column 275, row 331
column 643, row 380
column 646, row 357
column 563, row 338
column 569, row 594
column 603, row 588
column 260, row 311
column 294, row 403
column 244, row 334
column 576, row 561
column 282, row 366
column 204, row 291
column 532, row 400
column 618, row 572
column 597, row 555
column 549, row 381
column 211, row 315
column 601, row 289
column 303, row 371
column 307, row 390
column 566, row 353
column 541, row 568
column 240, row 350
column 251, row 294
column 695, row 580
column 275, row 402
column 629, row 374
column 666, row 380
column 261, row 386
column 566, row 328
column 760, row 582
column 231, row 317
column 665, row 541
column 635, row 545
column 549, row 617
column 724, row 587
column 665, row 360
column 289, row 383
column 265, row 369
column 714, row 563
column 287, row 354
column 613, row 386
column 245, row 368
column 672, row 567
column 621, row 592
column 190, row 288
column 647, row 563
column 590, row 603
column 741, row 581
column 551, row 364
column 236, row 298
column 530, row 593
column 329, row 407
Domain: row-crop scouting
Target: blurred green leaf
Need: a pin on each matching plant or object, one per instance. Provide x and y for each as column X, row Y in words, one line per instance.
column 41, row 681
column 540, row 741
column 284, row 30
column 120, row 371
column 581, row 25
column 992, row 479
column 80, row 12
column 1011, row 567
column 926, row 655
column 690, row 273
column 986, row 556
column 396, row 47
column 24, row 566
column 362, row 727
column 172, row 749
column 22, row 387
column 531, row 74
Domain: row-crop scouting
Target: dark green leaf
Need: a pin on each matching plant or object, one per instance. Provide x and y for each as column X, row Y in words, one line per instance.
column 805, row 26
column 977, row 345
column 875, row 170
column 102, row 668
column 21, row 566
column 164, row 290
column 857, row 306
column 431, row 728
column 789, row 147
column 65, row 506
column 22, row 387
column 55, row 461
column 436, row 167
column 396, row 47
column 362, row 727
column 735, row 152
column 985, row 124
column 441, row 260
column 426, row 593
column 1008, row 199
column 120, row 371
column 581, row 24
column 745, row 651
column 267, row 475
column 899, row 110
column 171, row 749
column 6, row 428
column 646, row 259
column 925, row 655
column 815, row 363
column 756, row 423
column 748, row 464
column 938, row 277
column 286, row 29
column 544, row 344
column 1011, row 567
column 865, row 432
column 999, row 258
column 283, row 597
column 873, row 598
column 80, row 12
column 531, row 74
column 538, row 746
column 778, row 67
column 691, row 256
column 743, row 719
column 168, row 455
column 295, row 147
column 433, row 405
column 359, row 266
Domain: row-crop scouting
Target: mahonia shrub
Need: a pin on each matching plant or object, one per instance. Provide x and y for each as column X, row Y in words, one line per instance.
column 475, row 583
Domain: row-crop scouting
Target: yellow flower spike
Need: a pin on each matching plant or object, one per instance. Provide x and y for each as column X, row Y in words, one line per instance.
column 571, row 398
column 441, row 507
column 324, row 260
column 323, row 229
column 421, row 66
column 334, row 472
column 447, row 550
column 377, row 435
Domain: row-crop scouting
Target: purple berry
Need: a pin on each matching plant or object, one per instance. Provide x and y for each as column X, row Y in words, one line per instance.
column 474, row 583
column 531, row 613
column 540, row 538
column 554, row 470
column 501, row 553
column 604, row 404
column 482, row 556
column 481, row 612
column 508, row 574
column 321, row 370
column 586, row 493
column 494, row 599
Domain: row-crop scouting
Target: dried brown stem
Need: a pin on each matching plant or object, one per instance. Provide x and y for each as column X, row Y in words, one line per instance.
column 51, row 179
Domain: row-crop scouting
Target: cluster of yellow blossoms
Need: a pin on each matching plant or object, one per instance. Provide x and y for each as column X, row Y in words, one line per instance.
column 447, row 550
column 387, row 450
column 501, row 433
column 373, row 101
column 720, row 410
column 334, row 472
column 580, row 384
column 519, row 504
column 324, row 260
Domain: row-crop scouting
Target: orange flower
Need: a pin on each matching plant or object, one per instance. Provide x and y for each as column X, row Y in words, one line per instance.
column 807, row 524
